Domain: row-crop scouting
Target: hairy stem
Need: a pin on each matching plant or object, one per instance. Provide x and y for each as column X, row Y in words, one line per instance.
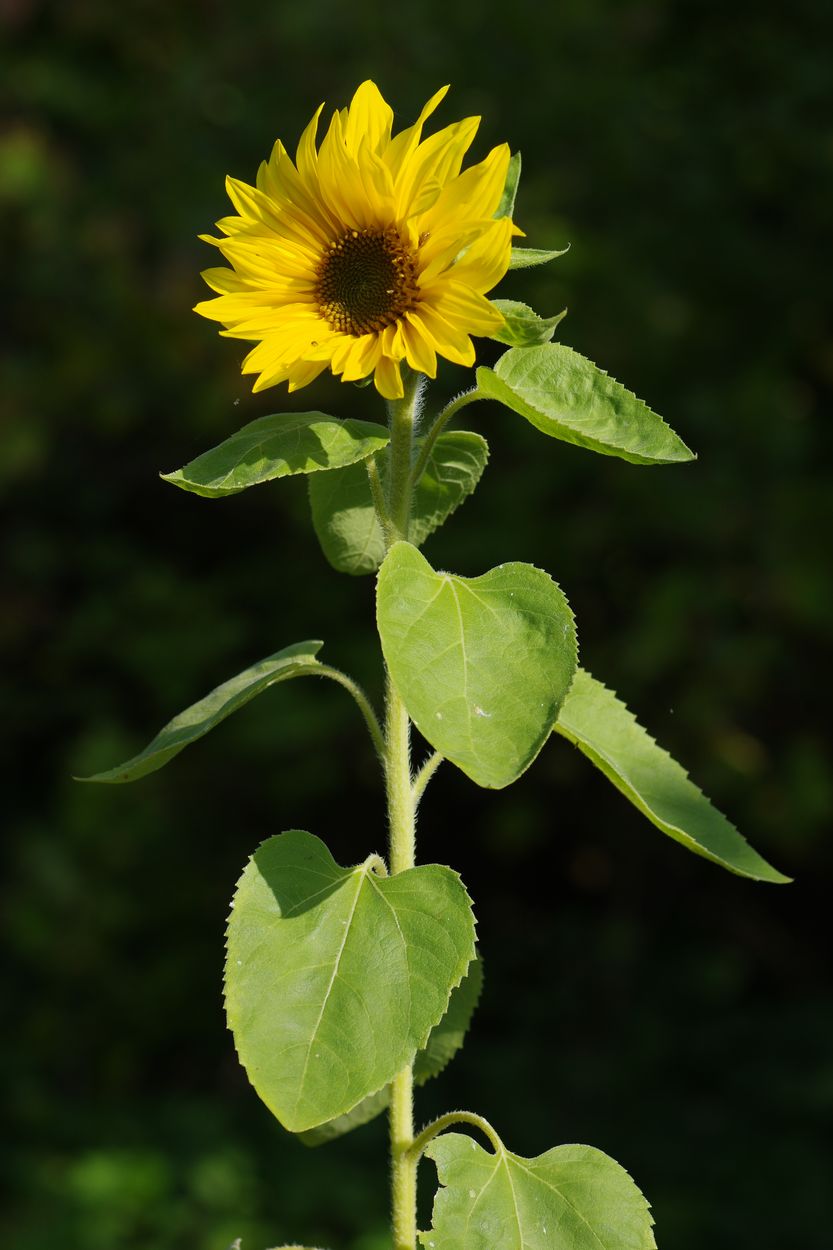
column 440, row 422
column 364, row 705
column 448, row 1121
column 401, row 813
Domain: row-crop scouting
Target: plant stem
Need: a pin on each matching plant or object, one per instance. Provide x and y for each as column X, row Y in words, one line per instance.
column 401, row 814
column 371, row 720
column 441, row 421
column 446, row 1121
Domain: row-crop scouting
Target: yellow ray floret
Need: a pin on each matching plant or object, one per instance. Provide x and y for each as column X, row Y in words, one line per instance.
column 366, row 251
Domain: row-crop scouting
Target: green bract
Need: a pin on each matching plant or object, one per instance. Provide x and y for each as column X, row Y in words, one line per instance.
column 572, row 1196
column 522, row 327
column 336, row 976
column 278, row 446
column 482, row 663
column 566, row 396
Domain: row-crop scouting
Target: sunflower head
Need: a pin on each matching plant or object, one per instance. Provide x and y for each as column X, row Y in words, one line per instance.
column 367, row 251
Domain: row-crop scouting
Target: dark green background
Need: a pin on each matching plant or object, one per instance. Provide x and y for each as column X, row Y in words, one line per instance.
column 636, row 998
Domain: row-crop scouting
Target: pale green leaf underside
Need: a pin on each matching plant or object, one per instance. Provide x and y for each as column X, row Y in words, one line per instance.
column 571, row 1198
column 527, row 257
column 336, row 976
column 197, row 720
column 506, row 207
column 278, row 446
column 566, row 396
column 444, row 1041
column 344, row 516
column 522, row 327
column 479, row 662
column 602, row 727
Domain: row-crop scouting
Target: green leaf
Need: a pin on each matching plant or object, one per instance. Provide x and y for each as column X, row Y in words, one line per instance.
column 444, row 1041
column 572, row 1197
column 336, row 976
column 278, row 446
column 196, row 721
column 523, row 327
column 480, row 662
column 565, row 396
column 342, row 507
column 527, row 257
column 600, row 725
column 510, row 188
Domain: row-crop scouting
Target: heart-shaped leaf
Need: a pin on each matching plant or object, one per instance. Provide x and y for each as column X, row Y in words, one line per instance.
column 479, row 662
column 345, row 518
column 278, row 446
column 443, row 1043
column 600, row 725
column 566, row 396
column 336, row 976
column 196, row 721
column 572, row 1198
column 521, row 326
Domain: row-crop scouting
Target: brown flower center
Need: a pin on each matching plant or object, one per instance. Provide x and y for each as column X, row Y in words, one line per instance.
column 366, row 281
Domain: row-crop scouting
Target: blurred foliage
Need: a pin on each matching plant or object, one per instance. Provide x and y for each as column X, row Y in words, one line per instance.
column 685, row 152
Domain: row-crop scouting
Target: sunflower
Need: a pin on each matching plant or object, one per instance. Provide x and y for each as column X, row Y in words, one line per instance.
column 367, row 251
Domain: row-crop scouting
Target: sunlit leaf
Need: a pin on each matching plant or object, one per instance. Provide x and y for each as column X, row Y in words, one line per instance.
column 196, row 721
column 336, row 976
column 444, row 1041
column 599, row 724
column 278, row 446
column 480, row 662
column 571, row 1198
column 566, row 396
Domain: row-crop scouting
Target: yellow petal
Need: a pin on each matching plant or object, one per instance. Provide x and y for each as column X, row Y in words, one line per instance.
column 388, row 380
column 369, row 120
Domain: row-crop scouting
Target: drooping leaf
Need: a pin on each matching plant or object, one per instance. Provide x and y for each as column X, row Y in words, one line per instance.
column 479, row 662
column 510, row 188
column 571, row 1198
column 336, row 976
column 527, row 257
column 522, row 327
column 278, row 446
column 342, row 507
column 196, row 721
column 444, row 1041
column 566, row 396
column 601, row 726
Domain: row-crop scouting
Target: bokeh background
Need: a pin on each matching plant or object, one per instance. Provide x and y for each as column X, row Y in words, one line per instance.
column 636, row 997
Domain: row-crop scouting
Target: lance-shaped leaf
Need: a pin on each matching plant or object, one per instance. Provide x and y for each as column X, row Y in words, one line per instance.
column 479, row 662
column 571, row 1198
column 278, row 446
column 344, row 516
column 196, row 721
column 522, row 327
column 600, row 725
column 443, row 1043
column 528, row 257
column 336, row 976
column 566, row 396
